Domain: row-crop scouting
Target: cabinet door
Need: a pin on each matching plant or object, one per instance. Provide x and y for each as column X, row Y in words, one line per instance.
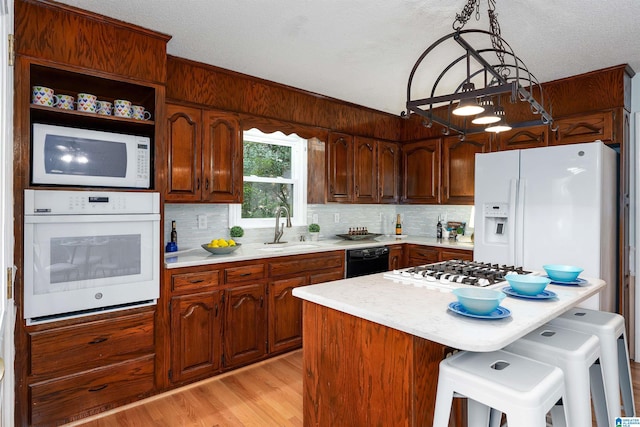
column 459, row 166
column 395, row 257
column 529, row 137
column 365, row 170
column 245, row 333
column 421, row 172
column 196, row 335
column 222, row 158
column 285, row 315
column 184, row 153
column 585, row 128
column 340, row 168
column 388, row 172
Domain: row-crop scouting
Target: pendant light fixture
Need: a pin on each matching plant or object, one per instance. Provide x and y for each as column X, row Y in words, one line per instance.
column 501, row 124
column 488, row 116
column 485, row 71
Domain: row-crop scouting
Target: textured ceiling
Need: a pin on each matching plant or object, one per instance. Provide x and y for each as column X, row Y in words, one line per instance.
column 362, row 51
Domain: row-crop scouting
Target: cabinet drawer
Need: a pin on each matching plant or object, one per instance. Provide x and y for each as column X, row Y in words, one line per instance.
column 194, row 281
column 246, row 272
column 304, row 263
column 64, row 397
column 448, row 254
column 91, row 345
column 425, row 254
column 327, row 276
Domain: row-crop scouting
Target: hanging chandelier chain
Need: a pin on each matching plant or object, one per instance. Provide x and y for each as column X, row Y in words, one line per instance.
column 496, row 39
column 463, row 17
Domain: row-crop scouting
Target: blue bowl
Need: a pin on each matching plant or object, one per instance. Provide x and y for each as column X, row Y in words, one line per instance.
column 527, row 285
column 562, row 273
column 479, row 300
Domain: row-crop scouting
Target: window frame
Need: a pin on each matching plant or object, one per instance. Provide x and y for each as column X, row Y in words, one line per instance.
column 298, row 179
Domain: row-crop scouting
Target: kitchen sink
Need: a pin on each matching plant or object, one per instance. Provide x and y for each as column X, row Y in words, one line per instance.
column 286, row 247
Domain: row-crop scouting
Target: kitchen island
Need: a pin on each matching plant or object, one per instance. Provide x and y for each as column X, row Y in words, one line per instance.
column 372, row 345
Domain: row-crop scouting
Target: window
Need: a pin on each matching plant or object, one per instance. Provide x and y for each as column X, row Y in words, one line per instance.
column 275, row 174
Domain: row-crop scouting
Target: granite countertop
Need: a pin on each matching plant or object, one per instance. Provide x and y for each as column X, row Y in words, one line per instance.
column 197, row 256
column 423, row 312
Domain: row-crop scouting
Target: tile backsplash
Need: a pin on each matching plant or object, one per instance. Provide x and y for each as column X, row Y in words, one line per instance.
column 417, row 220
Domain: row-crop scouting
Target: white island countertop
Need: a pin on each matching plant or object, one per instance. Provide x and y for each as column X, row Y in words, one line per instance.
column 197, row 256
column 423, row 312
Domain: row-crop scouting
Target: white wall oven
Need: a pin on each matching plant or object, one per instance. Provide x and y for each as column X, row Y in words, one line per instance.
column 89, row 251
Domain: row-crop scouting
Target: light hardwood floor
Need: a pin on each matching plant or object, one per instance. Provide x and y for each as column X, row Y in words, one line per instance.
column 262, row 395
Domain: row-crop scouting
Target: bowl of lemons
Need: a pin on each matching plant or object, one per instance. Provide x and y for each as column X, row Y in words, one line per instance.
column 221, row 246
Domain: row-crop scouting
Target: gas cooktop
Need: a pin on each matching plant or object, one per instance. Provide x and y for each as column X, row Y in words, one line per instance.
column 455, row 273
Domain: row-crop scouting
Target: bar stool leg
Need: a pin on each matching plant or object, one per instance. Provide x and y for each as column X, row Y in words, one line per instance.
column 624, row 375
column 477, row 414
column 598, row 395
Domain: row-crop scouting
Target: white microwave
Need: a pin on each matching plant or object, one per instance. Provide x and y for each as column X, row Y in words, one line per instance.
column 82, row 157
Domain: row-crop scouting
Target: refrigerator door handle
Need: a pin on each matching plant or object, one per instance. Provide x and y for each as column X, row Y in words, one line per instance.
column 513, row 198
column 519, row 237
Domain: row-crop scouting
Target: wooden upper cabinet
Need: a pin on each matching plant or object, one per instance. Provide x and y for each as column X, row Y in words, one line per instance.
column 459, row 166
column 340, row 168
column 388, row 172
column 529, row 137
column 221, row 158
column 365, row 170
column 421, row 172
column 204, row 161
column 184, row 147
column 584, row 128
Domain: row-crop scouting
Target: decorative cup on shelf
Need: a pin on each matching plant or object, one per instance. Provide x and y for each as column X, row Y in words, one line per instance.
column 41, row 95
column 138, row 113
column 63, row 102
column 122, row 108
column 87, row 103
column 104, row 108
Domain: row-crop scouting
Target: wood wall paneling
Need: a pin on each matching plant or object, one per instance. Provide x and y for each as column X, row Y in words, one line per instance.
column 68, row 35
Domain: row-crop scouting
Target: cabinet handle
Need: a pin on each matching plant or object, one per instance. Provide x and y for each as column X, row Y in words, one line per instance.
column 357, row 190
column 216, row 310
column 197, row 281
column 331, row 189
column 245, row 274
column 98, row 388
column 261, row 302
column 197, row 183
column 206, row 184
column 98, row 340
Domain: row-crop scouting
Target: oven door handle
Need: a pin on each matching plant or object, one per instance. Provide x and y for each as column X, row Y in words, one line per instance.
column 56, row 219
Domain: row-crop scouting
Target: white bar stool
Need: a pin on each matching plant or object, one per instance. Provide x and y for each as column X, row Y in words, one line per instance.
column 614, row 354
column 576, row 354
column 522, row 388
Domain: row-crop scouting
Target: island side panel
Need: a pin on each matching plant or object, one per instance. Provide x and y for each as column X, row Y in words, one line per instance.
column 360, row 373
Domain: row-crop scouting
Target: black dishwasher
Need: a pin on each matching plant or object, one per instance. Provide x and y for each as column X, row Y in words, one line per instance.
column 367, row 261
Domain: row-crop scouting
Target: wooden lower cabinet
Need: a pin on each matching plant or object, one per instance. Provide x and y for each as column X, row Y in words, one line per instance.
column 285, row 323
column 80, row 369
column 196, row 336
column 395, row 257
column 419, row 255
column 447, row 254
column 245, row 328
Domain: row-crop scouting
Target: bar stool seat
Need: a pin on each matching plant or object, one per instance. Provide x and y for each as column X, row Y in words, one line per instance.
column 523, row 389
column 614, row 354
column 576, row 354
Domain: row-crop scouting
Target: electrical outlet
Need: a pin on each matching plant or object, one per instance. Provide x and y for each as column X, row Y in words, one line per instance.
column 336, row 218
column 202, row 222
column 314, row 218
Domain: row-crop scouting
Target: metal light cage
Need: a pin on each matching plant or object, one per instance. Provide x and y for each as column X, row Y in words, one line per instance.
column 494, row 70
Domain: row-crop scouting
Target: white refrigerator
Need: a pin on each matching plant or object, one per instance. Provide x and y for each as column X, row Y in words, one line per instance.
column 550, row 205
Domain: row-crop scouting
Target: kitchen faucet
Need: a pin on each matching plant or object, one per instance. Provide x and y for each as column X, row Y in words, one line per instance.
column 280, row 228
